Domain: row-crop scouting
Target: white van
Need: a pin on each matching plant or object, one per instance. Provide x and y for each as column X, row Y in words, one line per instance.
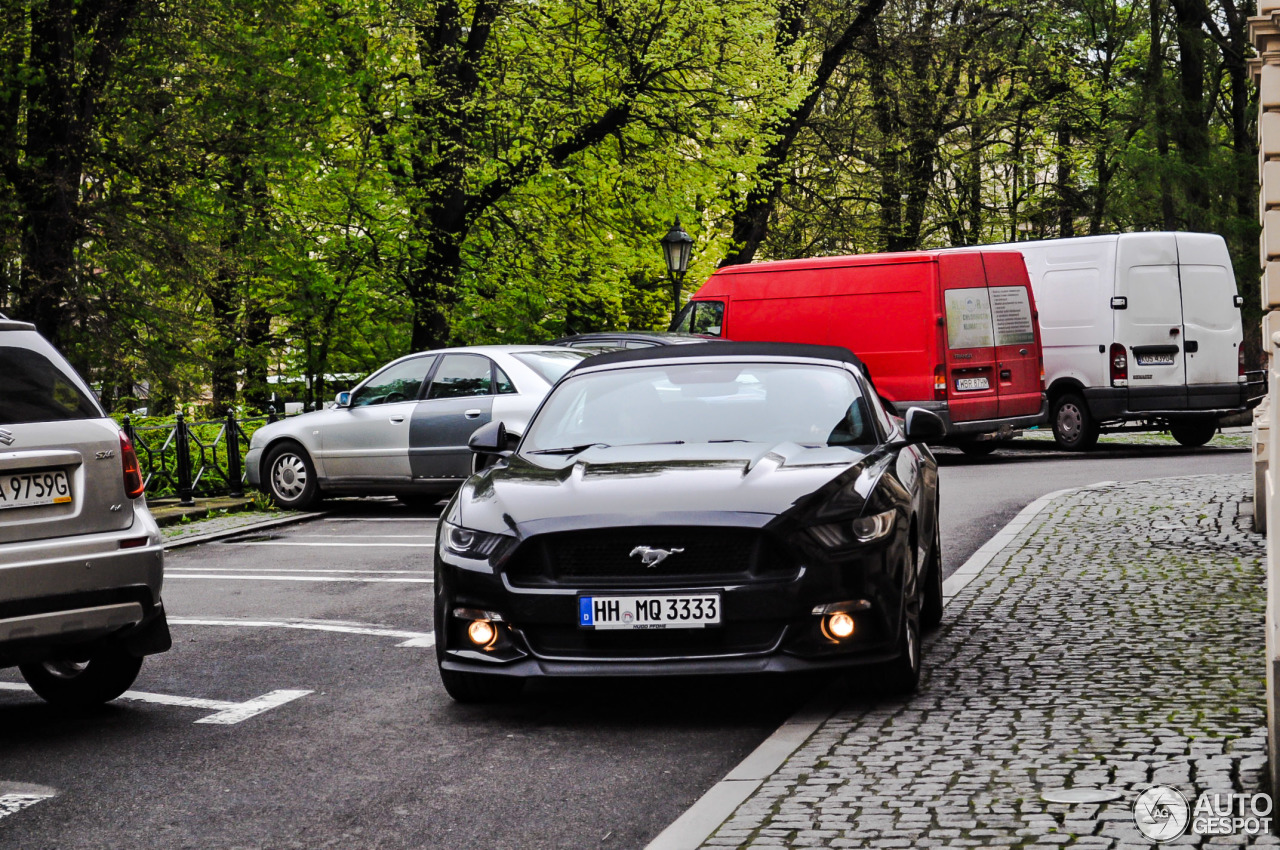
column 1140, row 331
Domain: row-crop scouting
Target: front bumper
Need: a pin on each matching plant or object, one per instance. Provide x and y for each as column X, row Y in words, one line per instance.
column 251, row 461
column 768, row 625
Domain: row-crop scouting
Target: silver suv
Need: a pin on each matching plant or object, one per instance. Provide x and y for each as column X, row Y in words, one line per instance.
column 81, row 560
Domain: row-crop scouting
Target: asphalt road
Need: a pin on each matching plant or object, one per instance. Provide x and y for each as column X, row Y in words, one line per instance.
column 314, row 639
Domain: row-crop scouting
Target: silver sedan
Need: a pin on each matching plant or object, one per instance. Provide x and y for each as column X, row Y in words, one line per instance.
column 403, row 430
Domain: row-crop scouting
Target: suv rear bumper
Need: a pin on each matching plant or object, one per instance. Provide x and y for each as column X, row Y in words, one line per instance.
column 977, row 426
column 1197, row 400
column 83, row 588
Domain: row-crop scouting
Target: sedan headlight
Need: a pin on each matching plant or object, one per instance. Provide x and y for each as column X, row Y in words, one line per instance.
column 470, row 543
column 862, row 530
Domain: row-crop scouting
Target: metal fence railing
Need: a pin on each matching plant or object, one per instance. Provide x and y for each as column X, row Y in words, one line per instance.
column 187, row 458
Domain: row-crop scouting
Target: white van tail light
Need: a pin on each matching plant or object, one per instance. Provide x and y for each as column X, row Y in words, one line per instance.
column 1119, row 366
column 133, row 483
column 1240, row 371
column 940, row 383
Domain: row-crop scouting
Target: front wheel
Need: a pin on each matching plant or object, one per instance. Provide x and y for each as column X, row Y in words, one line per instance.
column 291, row 477
column 1193, row 432
column 73, row 680
column 1074, row 427
column 931, row 605
column 902, row 674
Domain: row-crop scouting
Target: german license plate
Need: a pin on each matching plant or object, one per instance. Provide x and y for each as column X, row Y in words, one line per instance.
column 39, row 487
column 649, row 612
column 1154, row 359
column 963, row 384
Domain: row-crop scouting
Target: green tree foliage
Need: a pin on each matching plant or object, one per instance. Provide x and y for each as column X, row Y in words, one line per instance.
column 195, row 197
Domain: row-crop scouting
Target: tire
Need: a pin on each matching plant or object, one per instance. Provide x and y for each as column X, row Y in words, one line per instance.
column 480, row 687
column 289, row 477
column 1193, row 432
column 419, row 502
column 979, row 448
column 931, row 603
column 902, row 674
column 72, row 681
column 1074, row 427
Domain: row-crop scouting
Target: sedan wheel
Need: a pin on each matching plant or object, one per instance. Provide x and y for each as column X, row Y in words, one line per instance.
column 291, row 478
column 902, row 675
column 931, row 607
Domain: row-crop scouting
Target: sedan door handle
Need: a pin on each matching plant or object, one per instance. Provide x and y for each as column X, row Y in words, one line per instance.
column 397, row 418
column 472, row 414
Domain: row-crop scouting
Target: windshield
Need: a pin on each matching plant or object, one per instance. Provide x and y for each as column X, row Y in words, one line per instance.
column 702, row 403
column 550, row 365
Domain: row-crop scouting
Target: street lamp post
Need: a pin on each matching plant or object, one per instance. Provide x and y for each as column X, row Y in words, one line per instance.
column 676, row 246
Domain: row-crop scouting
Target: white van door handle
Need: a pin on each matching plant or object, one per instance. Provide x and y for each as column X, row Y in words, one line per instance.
column 472, row 414
column 397, row 418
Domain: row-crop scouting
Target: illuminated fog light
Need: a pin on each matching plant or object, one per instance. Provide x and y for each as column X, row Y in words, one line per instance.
column 482, row 633
column 838, row 626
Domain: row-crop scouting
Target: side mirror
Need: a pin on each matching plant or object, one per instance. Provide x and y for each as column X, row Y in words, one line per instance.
column 923, row 426
column 489, row 439
column 342, row 399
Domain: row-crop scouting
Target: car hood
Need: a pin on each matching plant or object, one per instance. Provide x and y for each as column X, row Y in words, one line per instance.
column 719, row 484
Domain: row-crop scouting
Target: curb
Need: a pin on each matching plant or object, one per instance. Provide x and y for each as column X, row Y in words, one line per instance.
column 192, row 540
column 713, row 808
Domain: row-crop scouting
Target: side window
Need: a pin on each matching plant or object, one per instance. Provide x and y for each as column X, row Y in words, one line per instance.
column 504, row 384
column 398, row 382
column 460, row 376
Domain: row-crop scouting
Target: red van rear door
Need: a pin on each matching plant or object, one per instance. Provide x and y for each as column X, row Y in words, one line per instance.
column 1016, row 335
column 972, row 381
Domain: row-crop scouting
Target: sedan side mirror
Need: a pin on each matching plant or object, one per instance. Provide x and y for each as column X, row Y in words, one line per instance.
column 342, row 399
column 923, row 426
column 490, row 439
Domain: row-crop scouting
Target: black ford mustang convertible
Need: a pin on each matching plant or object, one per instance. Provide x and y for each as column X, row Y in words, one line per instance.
column 729, row 508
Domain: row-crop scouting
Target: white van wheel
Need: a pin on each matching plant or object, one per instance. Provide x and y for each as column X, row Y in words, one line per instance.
column 1074, row 427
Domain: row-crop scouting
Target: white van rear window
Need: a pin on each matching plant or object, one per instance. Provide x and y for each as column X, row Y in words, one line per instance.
column 968, row 318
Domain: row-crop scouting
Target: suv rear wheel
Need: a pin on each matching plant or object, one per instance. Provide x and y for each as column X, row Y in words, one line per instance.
column 73, row 680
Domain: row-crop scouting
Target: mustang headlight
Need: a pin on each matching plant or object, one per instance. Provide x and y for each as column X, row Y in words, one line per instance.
column 470, row 543
column 862, row 530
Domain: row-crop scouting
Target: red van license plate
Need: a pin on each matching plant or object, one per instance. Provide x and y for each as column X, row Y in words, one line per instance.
column 963, row 384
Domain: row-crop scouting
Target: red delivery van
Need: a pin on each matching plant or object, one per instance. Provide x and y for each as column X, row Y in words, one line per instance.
column 955, row 333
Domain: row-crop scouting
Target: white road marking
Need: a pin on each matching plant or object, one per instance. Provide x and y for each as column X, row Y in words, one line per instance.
column 236, row 712
column 171, row 570
column 380, row 519
column 16, row 796
column 380, row 536
column 342, row 545
column 411, row 639
column 300, row 578
column 225, row 712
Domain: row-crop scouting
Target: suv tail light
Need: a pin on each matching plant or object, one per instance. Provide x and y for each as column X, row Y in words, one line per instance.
column 940, row 383
column 1119, row 366
column 133, row 483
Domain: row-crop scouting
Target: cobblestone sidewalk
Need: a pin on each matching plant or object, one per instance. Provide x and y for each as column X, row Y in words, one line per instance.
column 1115, row 644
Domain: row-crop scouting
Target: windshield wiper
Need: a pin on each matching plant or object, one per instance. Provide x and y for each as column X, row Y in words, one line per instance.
column 568, row 450
column 733, row 440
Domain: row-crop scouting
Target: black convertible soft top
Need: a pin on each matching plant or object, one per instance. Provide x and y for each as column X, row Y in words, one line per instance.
column 725, row 349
